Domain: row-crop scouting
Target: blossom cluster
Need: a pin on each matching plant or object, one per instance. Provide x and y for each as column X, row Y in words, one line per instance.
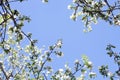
column 90, row 11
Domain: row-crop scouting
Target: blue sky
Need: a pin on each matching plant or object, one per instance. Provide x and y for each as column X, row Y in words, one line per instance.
column 51, row 22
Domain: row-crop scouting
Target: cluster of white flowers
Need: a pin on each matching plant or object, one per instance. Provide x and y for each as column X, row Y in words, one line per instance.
column 27, row 49
column 62, row 76
column 89, row 14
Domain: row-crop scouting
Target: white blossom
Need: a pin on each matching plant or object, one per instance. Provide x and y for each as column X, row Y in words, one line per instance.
column 89, row 28
column 109, row 74
column 61, row 70
column 89, row 63
column 92, row 74
column 73, row 17
column 76, row 61
column 74, row 1
column 44, row 1
column 117, row 22
column 59, row 43
column 69, row 7
column 103, row 3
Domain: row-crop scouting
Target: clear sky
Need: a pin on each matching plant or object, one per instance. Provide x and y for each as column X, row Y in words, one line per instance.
column 51, row 22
